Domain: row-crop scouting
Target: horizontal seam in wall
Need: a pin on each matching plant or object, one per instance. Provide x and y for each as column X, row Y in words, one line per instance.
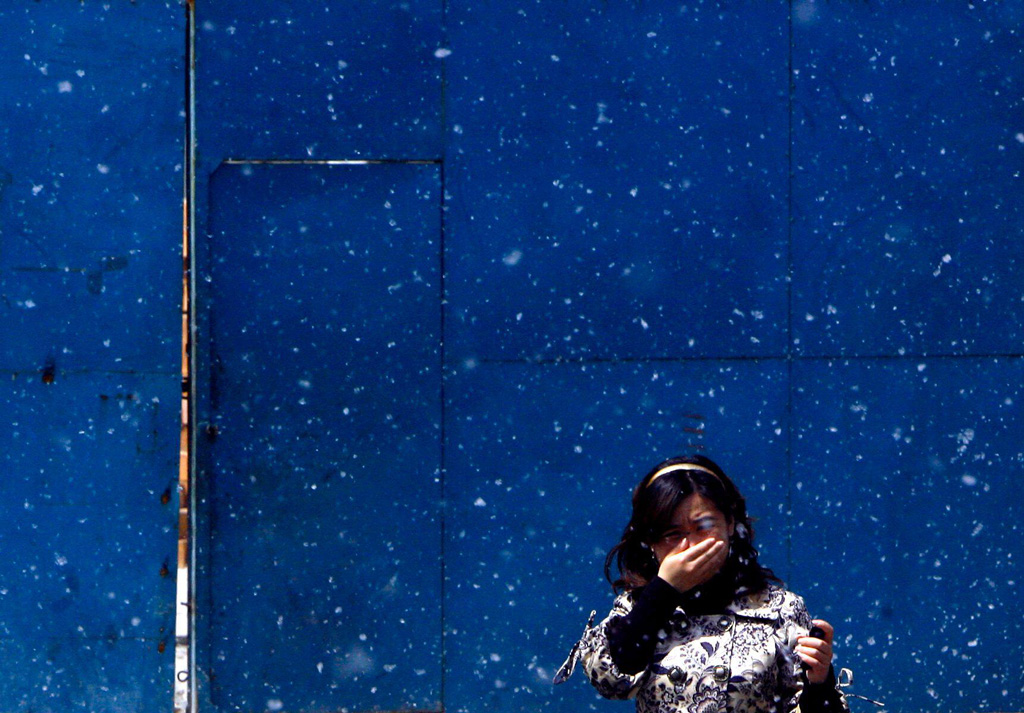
column 14, row 373
column 332, row 162
column 768, row 358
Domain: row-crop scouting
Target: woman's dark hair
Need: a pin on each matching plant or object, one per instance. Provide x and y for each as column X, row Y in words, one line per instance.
column 655, row 501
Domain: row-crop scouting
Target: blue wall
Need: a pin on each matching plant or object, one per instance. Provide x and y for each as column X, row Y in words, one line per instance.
column 796, row 220
column 91, row 150
column 322, row 483
column 428, row 382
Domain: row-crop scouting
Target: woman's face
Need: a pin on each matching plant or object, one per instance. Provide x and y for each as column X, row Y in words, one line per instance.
column 695, row 519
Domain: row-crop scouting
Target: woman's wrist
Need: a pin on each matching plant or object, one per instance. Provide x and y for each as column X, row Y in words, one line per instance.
column 631, row 638
column 656, row 602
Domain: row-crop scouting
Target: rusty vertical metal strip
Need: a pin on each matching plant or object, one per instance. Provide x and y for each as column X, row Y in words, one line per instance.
column 184, row 689
column 181, row 634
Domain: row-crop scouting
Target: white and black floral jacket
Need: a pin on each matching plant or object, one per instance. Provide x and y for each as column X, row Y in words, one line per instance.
column 739, row 661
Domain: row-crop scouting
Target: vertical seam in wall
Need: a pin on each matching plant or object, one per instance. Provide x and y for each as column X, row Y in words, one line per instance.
column 791, row 89
column 442, row 510
column 443, row 358
column 190, row 188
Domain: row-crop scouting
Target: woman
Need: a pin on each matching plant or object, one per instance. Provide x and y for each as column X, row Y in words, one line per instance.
column 701, row 626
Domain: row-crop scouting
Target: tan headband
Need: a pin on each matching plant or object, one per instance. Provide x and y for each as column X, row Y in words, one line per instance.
column 681, row 466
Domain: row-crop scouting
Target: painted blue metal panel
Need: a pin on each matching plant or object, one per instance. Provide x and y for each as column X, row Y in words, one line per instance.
column 90, row 512
column 618, row 179
column 87, row 438
column 320, row 587
column 94, row 675
column 907, row 525
column 67, row 459
column 90, row 280
column 90, row 185
column 542, row 460
column 908, row 151
column 319, row 80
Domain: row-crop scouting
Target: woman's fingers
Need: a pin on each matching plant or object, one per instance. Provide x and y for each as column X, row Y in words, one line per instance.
column 701, row 553
column 823, row 654
column 824, row 626
column 693, row 550
column 714, row 557
column 817, row 670
column 816, row 653
column 693, row 555
column 708, row 559
column 690, row 567
column 824, row 642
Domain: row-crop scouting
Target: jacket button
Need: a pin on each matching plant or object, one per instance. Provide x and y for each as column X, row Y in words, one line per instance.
column 724, row 623
column 721, row 673
column 675, row 674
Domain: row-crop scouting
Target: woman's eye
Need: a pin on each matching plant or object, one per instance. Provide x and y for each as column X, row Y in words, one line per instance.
column 705, row 525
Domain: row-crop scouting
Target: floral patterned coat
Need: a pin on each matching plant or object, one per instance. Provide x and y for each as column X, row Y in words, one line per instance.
column 739, row 661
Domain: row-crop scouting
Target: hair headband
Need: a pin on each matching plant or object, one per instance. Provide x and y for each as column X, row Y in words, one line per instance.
column 681, row 466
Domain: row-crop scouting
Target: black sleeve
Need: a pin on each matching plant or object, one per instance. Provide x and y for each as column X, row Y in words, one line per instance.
column 822, row 697
column 632, row 638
